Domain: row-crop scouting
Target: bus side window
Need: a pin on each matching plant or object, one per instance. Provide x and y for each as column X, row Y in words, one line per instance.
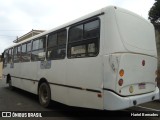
column 91, row 29
column 19, row 53
column 28, row 54
column 23, row 53
column 38, row 49
column 76, row 33
column 15, row 58
column 62, row 36
column 10, row 55
column 5, row 56
column 91, row 33
column 84, row 39
column 57, row 45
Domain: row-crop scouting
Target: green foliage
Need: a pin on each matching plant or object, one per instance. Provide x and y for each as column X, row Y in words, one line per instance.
column 154, row 13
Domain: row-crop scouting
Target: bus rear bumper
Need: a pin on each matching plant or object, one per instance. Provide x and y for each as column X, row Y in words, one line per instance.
column 113, row 101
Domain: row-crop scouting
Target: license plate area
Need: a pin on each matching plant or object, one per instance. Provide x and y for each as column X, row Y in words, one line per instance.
column 142, row 85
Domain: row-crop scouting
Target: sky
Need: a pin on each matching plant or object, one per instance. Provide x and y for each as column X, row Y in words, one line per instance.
column 18, row 17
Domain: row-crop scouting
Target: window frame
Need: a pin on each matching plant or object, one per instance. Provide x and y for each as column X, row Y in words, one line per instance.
column 10, row 56
column 30, row 46
column 22, row 51
column 6, row 53
column 37, row 39
column 15, row 48
column 22, row 47
column 57, row 46
column 81, row 24
column 52, row 33
column 19, row 53
column 26, row 53
column 39, row 49
column 92, row 29
column 84, row 40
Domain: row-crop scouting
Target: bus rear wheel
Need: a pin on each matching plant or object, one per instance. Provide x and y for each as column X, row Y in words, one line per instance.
column 44, row 94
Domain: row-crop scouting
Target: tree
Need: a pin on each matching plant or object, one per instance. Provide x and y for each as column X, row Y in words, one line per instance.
column 154, row 13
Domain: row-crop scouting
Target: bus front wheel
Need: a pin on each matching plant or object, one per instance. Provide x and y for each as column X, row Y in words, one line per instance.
column 44, row 94
column 10, row 85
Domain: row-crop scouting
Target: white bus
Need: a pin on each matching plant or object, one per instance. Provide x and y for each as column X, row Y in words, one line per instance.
column 105, row 60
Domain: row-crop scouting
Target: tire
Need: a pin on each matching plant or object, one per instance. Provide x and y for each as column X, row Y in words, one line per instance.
column 44, row 94
column 10, row 85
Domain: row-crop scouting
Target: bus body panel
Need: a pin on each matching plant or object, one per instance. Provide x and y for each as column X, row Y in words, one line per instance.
column 29, row 76
column 139, row 73
column 123, row 51
column 110, row 71
column 137, row 34
column 59, row 93
column 112, row 41
column 16, row 81
column 56, row 77
column 23, row 75
column 113, row 101
column 86, row 73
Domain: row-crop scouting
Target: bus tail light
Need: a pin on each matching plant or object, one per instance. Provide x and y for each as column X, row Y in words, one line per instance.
column 121, row 72
column 120, row 82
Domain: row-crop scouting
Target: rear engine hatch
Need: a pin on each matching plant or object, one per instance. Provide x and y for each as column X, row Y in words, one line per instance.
column 137, row 74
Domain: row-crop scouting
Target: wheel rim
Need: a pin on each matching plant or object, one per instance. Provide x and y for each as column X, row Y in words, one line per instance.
column 44, row 94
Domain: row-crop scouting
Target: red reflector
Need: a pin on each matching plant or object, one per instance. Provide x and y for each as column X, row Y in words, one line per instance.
column 99, row 95
column 143, row 62
column 120, row 82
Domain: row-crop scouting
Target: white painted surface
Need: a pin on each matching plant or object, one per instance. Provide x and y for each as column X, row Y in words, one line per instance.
column 115, row 102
